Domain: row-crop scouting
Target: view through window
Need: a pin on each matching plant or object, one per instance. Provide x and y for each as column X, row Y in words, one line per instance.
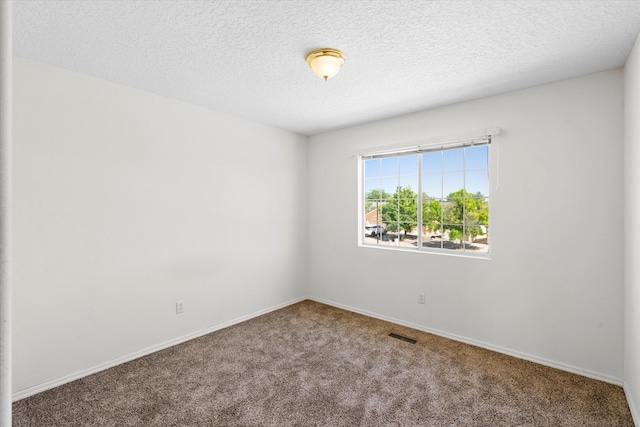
column 428, row 199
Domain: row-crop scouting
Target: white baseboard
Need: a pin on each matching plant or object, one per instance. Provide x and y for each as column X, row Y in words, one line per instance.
column 110, row 364
column 103, row 366
column 632, row 406
column 509, row 352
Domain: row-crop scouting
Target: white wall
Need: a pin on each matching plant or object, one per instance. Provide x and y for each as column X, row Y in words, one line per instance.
column 124, row 203
column 632, row 231
column 6, row 68
column 553, row 290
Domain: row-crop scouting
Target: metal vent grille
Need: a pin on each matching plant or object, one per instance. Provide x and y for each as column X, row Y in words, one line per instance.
column 403, row 338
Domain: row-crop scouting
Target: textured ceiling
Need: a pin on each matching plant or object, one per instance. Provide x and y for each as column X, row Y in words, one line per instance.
column 247, row 58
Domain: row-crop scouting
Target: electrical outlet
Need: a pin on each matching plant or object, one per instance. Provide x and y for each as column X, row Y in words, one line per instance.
column 421, row 298
column 179, row 307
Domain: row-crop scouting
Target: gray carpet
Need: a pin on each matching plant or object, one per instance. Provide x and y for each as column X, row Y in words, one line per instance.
column 314, row 365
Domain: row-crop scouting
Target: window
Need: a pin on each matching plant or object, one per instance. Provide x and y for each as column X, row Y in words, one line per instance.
column 428, row 199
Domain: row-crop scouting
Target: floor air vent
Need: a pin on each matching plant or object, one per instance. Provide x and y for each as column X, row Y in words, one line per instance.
column 402, row 338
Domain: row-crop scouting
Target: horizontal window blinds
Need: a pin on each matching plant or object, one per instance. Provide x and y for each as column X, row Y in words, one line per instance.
column 441, row 146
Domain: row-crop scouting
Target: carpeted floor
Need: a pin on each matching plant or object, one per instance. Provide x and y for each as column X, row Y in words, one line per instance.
column 310, row 364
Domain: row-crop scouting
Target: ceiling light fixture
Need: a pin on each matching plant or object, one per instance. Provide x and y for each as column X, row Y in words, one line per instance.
column 325, row 63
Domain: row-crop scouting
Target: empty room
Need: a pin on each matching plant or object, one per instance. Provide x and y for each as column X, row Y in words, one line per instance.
column 320, row 213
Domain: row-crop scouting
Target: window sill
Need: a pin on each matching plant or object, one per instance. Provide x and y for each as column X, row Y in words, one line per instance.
column 441, row 252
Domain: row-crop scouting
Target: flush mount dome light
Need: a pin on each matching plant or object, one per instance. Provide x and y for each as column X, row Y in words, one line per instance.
column 325, row 63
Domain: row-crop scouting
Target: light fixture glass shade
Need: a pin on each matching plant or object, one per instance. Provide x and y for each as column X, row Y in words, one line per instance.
column 325, row 63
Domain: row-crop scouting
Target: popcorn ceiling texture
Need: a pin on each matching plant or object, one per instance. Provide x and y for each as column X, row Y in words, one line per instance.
column 310, row 364
column 247, row 58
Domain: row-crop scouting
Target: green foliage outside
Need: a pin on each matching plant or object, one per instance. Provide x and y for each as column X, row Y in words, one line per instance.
column 374, row 199
column 400, row 213
column 431, row 214
column 463, row 214
column 467, row 213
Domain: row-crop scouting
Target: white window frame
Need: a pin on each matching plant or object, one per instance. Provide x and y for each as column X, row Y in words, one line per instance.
column 440, row 144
